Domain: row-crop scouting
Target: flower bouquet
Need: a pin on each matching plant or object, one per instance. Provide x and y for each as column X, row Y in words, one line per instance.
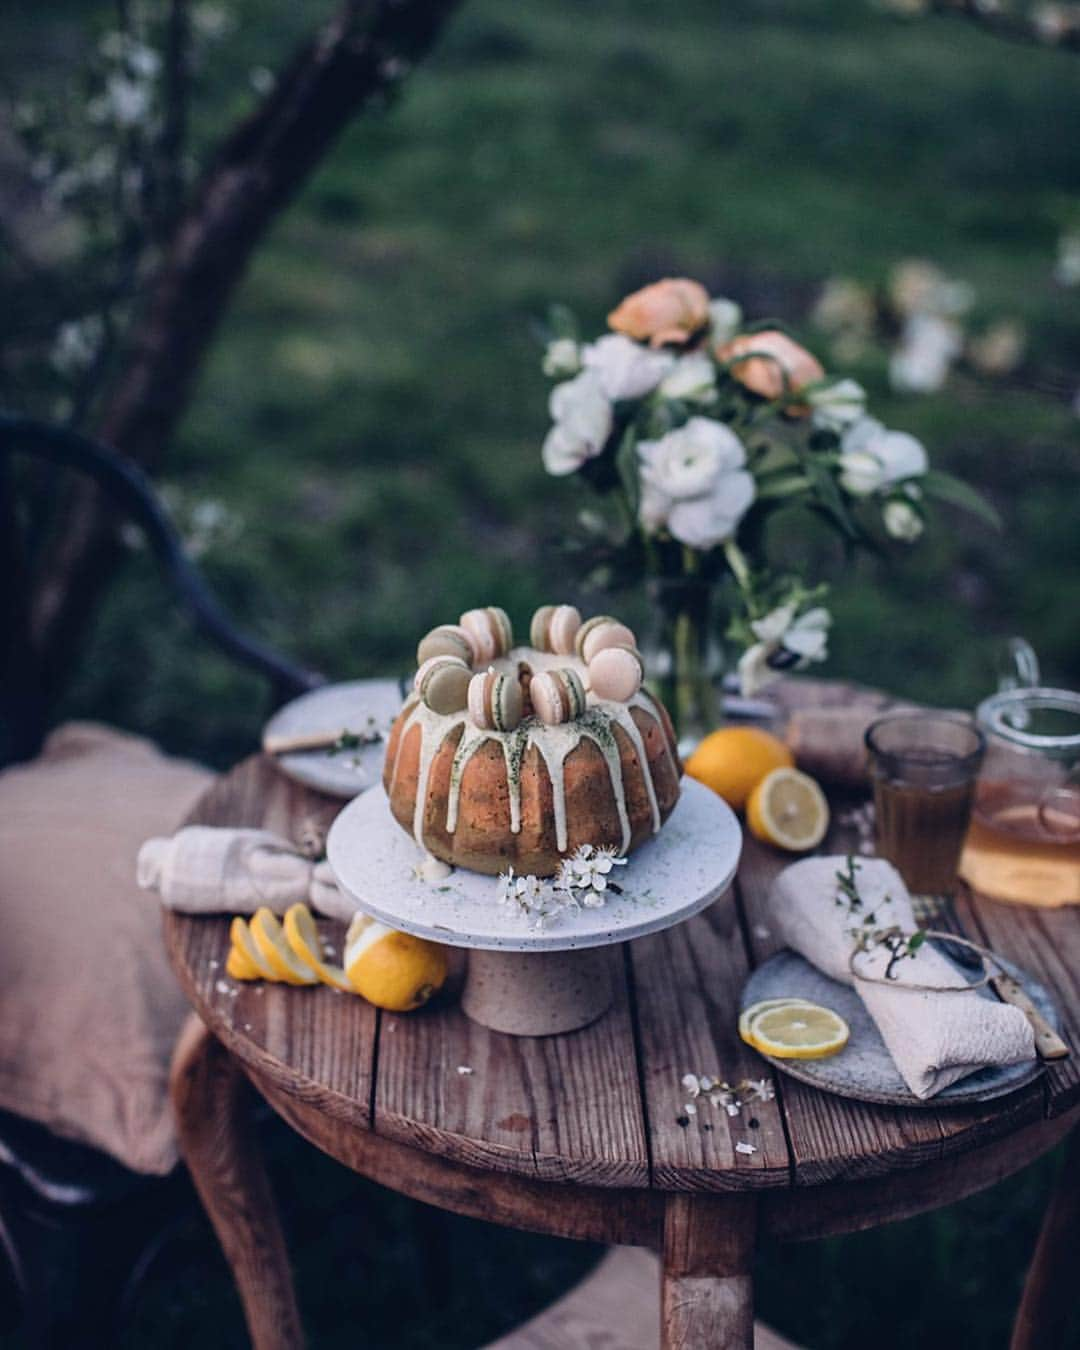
column 698, row 427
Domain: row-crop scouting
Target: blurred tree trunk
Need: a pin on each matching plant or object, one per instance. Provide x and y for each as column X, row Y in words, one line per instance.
column 357, row 59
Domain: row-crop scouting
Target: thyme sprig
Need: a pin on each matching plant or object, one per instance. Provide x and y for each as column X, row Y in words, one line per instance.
column 894, row 940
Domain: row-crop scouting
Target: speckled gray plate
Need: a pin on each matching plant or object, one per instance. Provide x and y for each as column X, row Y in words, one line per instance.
column 345, row 773
column 864, row 1069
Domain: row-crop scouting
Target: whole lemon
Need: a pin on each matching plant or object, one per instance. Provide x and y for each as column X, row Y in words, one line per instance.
column 393, row 970
column 733, row 760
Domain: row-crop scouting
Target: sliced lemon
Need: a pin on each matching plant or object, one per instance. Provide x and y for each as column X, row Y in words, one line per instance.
column 244, row 943
column 303, row 937
column 396, row 971
column 748, row 1014
column 788, row 809
column 239, row 966
column 799, row 1031
column 275, row 951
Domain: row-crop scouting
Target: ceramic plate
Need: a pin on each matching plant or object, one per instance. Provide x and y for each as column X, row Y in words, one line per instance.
column 685, row 867
column 864, row 1069
column 333, row 708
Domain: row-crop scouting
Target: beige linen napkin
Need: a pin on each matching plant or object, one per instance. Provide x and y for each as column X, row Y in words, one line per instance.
column 203, row 870
column 934, row 1038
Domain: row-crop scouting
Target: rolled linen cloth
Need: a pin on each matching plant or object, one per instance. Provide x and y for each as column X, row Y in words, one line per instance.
column 203, row 870
column 934, row 1038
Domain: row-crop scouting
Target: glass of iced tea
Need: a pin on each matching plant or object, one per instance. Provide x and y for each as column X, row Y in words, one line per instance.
column 923, row 767
column 1024, row 843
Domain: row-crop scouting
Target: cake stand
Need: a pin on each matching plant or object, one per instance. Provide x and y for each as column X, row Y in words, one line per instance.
column 523, row 980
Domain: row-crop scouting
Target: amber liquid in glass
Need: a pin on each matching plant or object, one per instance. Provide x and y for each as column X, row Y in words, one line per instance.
column 920, row 829
column 1010, row 855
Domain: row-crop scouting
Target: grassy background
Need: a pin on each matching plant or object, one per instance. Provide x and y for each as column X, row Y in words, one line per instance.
column 371, row 417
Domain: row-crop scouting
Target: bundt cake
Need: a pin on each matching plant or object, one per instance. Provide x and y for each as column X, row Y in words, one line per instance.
column 511, row 756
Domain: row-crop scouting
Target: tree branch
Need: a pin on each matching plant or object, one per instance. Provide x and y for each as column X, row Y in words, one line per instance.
column 359, row 57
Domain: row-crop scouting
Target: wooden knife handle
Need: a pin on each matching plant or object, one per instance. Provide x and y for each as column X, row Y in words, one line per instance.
column 286, row 743
column 1048, row 1043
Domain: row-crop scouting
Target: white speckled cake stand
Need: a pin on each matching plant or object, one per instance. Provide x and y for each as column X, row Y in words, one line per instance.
column 523, row 981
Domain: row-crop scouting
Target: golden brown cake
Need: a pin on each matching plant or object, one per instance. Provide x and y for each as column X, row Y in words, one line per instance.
column 487, row 799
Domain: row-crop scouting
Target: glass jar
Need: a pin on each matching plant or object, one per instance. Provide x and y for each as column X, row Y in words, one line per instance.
column 1024, row 842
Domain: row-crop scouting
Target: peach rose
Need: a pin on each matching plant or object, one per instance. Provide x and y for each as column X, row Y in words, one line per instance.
column 764, row 374
column 671, row 310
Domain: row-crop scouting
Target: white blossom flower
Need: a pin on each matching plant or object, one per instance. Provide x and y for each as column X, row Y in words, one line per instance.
column 262, row 79
column 901, row 520
column 128, row 101
column 835, row 407
column 693, row 380
column 928, row 346
column 583, row 421
column 805, row 637
column 624, row 368
column 873, row 458
column 562, row 358
column 724, row 319
column 586, row 871
column 77, row 344
column 694, row 482
column 524, row 891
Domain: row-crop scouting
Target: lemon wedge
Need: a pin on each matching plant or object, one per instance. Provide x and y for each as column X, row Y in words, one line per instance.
column 239, row 966
column 799, row 1031
column 393, row 970
column 788, row 809
column 244, row 943
column 303, row 937
column 275, row 951
column 748, row 1014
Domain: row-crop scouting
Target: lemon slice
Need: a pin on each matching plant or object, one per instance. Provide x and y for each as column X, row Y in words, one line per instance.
column 396, row 971
column 799, row 1031
column 303, row 937
column 244, row 943
column 239, row 966
column 787, row 808
column 275, row 951
column 748, row 1014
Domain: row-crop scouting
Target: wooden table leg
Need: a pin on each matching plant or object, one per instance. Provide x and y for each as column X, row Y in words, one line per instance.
column 212, row 1104
column 707, row 1294
column 1049, row 1296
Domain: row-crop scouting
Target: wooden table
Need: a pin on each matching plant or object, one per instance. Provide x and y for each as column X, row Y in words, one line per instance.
column 584, row 1135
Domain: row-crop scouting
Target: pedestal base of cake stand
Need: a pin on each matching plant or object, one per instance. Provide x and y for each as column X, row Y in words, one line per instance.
column 537, row 994
column 522, row 980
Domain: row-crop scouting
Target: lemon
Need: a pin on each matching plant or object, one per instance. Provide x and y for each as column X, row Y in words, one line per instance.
column 275, row 951
column 244, row 943
column 748, row 1014
column 396, row 971
column 303, row 937
column 733, row 760
column 238, row 965
column 799, row 1031
column 787, row 808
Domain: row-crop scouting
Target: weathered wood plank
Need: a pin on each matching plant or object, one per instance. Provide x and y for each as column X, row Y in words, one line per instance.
column 687, row 982
column 565, row 1108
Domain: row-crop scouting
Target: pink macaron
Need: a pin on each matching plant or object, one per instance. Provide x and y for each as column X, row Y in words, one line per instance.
column 600, row 632
column 554, row 628
column 449, row 639
column 443, row 683
column 616, row 673
column 490, row 632
column 557, row 696
column 495, row 701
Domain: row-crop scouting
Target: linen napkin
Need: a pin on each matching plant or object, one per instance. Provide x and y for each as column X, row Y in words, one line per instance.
column 203, row 870
column 934, row 1038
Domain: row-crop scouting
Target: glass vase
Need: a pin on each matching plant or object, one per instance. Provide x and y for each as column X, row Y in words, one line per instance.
column 683, row 656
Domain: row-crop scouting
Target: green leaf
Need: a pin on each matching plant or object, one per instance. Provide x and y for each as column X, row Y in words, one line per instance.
column 626, row 462
column 562, row 322
column 946, row 488
column 781, row 485
column 916, row 940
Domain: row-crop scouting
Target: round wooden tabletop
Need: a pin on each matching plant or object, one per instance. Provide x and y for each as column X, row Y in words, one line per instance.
column 605, row 1106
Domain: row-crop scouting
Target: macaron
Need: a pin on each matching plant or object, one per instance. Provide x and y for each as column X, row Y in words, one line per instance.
column 443, row 683
column 599, row 632
column 489, row 631
column 554, row 628
column 557, row 695
column 495, row 701
column 447, row 640
column 616, row 673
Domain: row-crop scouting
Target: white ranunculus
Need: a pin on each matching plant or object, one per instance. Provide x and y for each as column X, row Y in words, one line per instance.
column 835, row 407
column 805, row 637
column 688, row 461
column 562, row 358
column 808, row 636
column 693, row 380
column 755, row 673
column 928, row 346
column 774, row 625
column 624, row 367
column 653, row 508
column 704, row 522
column 902, row 521
column 873, row 458
column 583, row 422
column 724, row 319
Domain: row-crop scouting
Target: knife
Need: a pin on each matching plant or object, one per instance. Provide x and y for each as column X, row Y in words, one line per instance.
column 1048, row 1043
